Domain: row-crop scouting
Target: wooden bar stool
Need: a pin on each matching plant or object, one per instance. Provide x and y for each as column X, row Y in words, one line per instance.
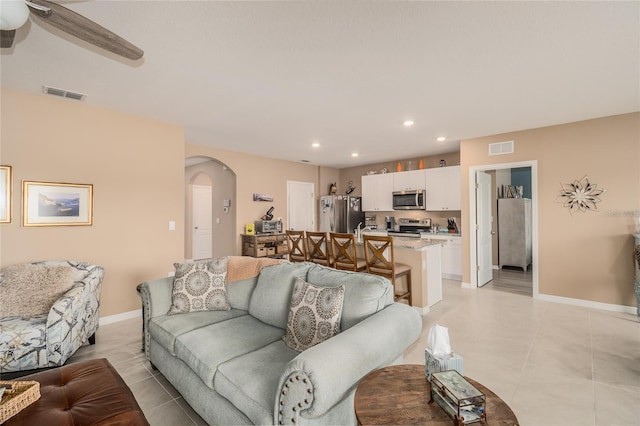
column 318, row 249
column 378, row 253
column 297, row 246
column 343, row 247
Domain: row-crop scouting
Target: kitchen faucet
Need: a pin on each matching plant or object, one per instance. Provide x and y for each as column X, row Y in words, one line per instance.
column 358, row 230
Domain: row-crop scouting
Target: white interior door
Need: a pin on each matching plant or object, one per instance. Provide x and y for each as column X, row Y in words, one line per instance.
column 202, row 222
column 301, row 206
column 483, row 228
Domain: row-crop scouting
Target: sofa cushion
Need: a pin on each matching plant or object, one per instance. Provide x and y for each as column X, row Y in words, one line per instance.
column 250, row 381
column 165, row 329
column 314, row 315
column 200, row 286
column 204, row 349
column 271, row 297
column 242, row 276
column 29, row 290
column 364, row 294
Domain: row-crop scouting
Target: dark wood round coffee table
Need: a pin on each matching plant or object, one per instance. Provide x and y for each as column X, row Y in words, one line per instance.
column 399, row 395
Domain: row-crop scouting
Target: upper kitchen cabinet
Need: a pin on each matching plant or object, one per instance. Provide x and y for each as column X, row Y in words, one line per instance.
column 411, row 180
column 443, row 188
column 376, row 192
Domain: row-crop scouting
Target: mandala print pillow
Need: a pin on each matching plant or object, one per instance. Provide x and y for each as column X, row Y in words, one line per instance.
column 314, row 315
column 200, row 286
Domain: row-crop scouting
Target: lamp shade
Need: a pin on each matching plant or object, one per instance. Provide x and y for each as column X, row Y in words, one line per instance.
column 13, row 14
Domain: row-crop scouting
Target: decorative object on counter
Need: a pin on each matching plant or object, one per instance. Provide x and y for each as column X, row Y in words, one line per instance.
column 5, row 194
column 458, row 398
column 443, row 163
column 262, row 197
column 383, row 170
column 350, row 188
column 249, row 229
column 409, row 165
column 421, row 164
column 452, row 226
column 269, row 214
column 333, row 188
column 56, row 204
column 580, row 195
column 398, row 167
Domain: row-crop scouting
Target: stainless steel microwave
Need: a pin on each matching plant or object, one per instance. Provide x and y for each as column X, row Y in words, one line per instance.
column 409, row 200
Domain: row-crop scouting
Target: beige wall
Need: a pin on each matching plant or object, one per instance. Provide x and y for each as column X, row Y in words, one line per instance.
column 136, row 166
column 585, row 255
column 259, row 175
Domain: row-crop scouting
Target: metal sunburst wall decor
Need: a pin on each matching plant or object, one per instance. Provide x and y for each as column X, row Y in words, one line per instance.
column 580, row 195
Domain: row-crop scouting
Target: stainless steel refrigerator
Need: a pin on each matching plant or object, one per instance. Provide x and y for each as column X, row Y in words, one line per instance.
column 340, row 213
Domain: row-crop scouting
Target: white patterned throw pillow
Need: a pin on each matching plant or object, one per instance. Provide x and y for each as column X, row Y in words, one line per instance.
column 200, row 286
column 314, row 315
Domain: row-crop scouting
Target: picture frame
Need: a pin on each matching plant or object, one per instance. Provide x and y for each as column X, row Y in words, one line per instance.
column 5, row 194
column 56, row 204
column 262, row 197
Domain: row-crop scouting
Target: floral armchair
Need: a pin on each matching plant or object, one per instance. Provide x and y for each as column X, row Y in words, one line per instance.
column 31, row 340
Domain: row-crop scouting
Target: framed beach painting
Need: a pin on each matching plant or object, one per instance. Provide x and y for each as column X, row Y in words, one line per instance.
column 5, row 194
column 56, row 204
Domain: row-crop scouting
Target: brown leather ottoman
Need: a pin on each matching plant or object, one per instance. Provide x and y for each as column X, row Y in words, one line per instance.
column 84, row 393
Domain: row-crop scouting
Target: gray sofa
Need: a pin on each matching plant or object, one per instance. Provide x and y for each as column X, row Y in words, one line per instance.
column 233, row 367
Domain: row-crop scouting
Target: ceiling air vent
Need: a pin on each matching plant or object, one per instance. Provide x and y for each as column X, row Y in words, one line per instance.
column 63, row 93
column 499, row 148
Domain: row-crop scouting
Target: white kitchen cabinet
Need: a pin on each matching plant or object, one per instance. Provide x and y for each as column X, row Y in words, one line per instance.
column 376, row 192
column 443, row 188
column 451, row 255
column 403, row 181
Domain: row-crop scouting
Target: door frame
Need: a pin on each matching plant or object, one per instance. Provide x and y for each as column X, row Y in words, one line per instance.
column 473, row 260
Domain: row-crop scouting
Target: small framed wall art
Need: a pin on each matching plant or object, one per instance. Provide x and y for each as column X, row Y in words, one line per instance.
column 5, row 194
column 56, row 204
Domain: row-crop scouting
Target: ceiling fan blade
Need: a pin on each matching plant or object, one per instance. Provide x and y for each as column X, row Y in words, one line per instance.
column 85, row 29
column 6, row 38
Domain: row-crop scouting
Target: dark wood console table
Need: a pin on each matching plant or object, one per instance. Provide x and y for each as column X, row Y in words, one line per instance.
column 399, row 395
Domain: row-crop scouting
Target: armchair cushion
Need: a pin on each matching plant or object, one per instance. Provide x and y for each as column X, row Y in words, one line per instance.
column 30, row 289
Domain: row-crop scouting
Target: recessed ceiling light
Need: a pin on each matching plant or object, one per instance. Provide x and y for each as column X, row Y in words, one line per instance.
column 441, row 139
column 408, row 123
column 315, row 145
column 354, row 154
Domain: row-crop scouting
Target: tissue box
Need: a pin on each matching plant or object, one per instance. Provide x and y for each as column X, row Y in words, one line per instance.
column 434, row 363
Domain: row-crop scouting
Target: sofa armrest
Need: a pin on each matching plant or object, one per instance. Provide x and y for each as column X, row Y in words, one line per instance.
column 156, row 301
column 322, row 376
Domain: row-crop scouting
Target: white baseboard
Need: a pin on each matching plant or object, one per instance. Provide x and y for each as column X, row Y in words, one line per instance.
column 468, row 285
column 422, row 310
column 587, row 303
column 495, row 267
column 121, row 317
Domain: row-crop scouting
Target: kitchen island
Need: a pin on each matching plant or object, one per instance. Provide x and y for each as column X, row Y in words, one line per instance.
column 425, row 258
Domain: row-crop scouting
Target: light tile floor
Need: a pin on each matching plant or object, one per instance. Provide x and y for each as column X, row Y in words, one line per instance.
column 553, row 364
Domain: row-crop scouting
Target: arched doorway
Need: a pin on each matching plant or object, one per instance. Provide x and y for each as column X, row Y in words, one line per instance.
column 202, row 173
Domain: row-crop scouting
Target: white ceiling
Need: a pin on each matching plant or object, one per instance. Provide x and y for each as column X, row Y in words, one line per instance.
column 270, row 78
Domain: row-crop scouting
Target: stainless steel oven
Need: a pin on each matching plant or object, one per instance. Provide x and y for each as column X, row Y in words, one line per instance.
column 409, row 200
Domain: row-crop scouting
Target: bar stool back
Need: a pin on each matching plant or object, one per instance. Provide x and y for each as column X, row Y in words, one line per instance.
column 343, row 247
column 378, row 253
column 297, row 246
